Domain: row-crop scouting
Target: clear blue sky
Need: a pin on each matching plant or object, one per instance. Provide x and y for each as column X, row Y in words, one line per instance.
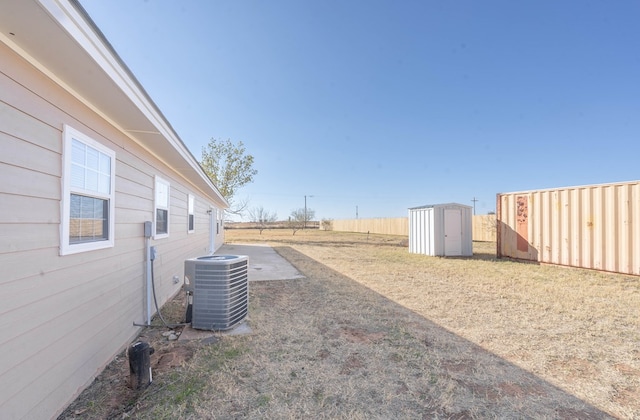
column 387, row 105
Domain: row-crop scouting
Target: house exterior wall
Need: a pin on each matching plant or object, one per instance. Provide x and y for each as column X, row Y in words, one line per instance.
column 63, row 318
column 593, row 226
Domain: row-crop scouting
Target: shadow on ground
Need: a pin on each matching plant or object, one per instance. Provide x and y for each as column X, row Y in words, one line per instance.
column 326, row 347
column 427, row 370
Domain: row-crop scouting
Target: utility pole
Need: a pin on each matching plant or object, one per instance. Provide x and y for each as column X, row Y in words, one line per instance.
column 474, row 205
column 304, row 224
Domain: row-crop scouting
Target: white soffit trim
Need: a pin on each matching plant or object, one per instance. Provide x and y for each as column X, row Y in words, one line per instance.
column 74, row 23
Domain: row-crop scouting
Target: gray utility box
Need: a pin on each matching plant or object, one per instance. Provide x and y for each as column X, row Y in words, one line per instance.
column 219, row 285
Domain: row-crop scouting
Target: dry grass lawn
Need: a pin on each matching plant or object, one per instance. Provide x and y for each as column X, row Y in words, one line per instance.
column 376, row 332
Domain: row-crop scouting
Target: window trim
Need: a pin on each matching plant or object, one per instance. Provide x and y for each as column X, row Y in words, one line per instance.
column 156, row 207
column 191, row 205
column 66, row 248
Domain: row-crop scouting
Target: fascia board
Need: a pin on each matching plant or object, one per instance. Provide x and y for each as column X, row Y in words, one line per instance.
column 73, row 19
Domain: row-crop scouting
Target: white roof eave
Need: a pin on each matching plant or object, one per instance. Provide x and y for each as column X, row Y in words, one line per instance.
column 98, row 78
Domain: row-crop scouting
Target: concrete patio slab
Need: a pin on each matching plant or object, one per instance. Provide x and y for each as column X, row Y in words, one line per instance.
column 264, row 262
column 209, row 337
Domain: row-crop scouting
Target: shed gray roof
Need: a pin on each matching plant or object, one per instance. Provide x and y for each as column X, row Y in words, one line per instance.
column 428, row 206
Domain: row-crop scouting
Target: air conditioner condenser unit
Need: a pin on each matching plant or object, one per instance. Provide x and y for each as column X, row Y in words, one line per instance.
column 220, row 290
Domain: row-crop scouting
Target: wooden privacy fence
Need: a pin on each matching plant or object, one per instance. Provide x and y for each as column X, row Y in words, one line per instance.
column 483, row 226
column 387, row 226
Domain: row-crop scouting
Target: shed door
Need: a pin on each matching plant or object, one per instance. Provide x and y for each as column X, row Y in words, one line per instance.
column 452, row 232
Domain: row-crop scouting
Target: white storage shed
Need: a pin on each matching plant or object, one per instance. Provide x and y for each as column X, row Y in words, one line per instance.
column 442, row 230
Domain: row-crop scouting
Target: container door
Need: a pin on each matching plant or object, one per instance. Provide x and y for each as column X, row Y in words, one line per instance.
column 452, row 232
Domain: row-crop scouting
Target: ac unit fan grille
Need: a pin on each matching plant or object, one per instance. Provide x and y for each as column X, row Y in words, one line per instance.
column 220, row 292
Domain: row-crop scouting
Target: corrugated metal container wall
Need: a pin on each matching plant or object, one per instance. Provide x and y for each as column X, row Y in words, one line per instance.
column 595, row 226
column 441, row 230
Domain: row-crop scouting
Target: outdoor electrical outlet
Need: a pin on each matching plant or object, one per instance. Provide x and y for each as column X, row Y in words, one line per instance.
column 176, row 279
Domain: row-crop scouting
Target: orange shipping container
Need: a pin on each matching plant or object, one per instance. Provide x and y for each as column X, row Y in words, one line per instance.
column 594, row 226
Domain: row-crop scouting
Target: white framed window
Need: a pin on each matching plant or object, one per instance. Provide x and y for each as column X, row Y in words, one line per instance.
column 191, row 222
column 161, row 208
column 88, row 194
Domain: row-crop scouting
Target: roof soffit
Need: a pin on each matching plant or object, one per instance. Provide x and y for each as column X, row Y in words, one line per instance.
column 85, row 64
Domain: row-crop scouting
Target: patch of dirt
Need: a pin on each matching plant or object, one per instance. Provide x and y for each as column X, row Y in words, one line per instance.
column 458, row 366
column 170, row 358
column 628, row 397
column 354, row 362
column 564, row 413
column 356, row 335
column 573, row 368
column 323, row 354
column 627, row 369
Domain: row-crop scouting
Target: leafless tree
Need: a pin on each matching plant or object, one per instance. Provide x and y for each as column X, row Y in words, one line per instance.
column 299, row 218
column 262, row 217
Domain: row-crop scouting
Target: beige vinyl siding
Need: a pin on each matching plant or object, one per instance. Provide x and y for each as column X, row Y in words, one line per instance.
column 201, row 217
column 32, row 209
column 21, row 237
column 51, row 327
column 70, row 336
column 23, row 131
column 26, row 182
column 14, row 148
column 63, row 318
column 171, row 251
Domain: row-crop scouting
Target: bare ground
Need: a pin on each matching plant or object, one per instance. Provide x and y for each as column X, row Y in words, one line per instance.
column 375, row 332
